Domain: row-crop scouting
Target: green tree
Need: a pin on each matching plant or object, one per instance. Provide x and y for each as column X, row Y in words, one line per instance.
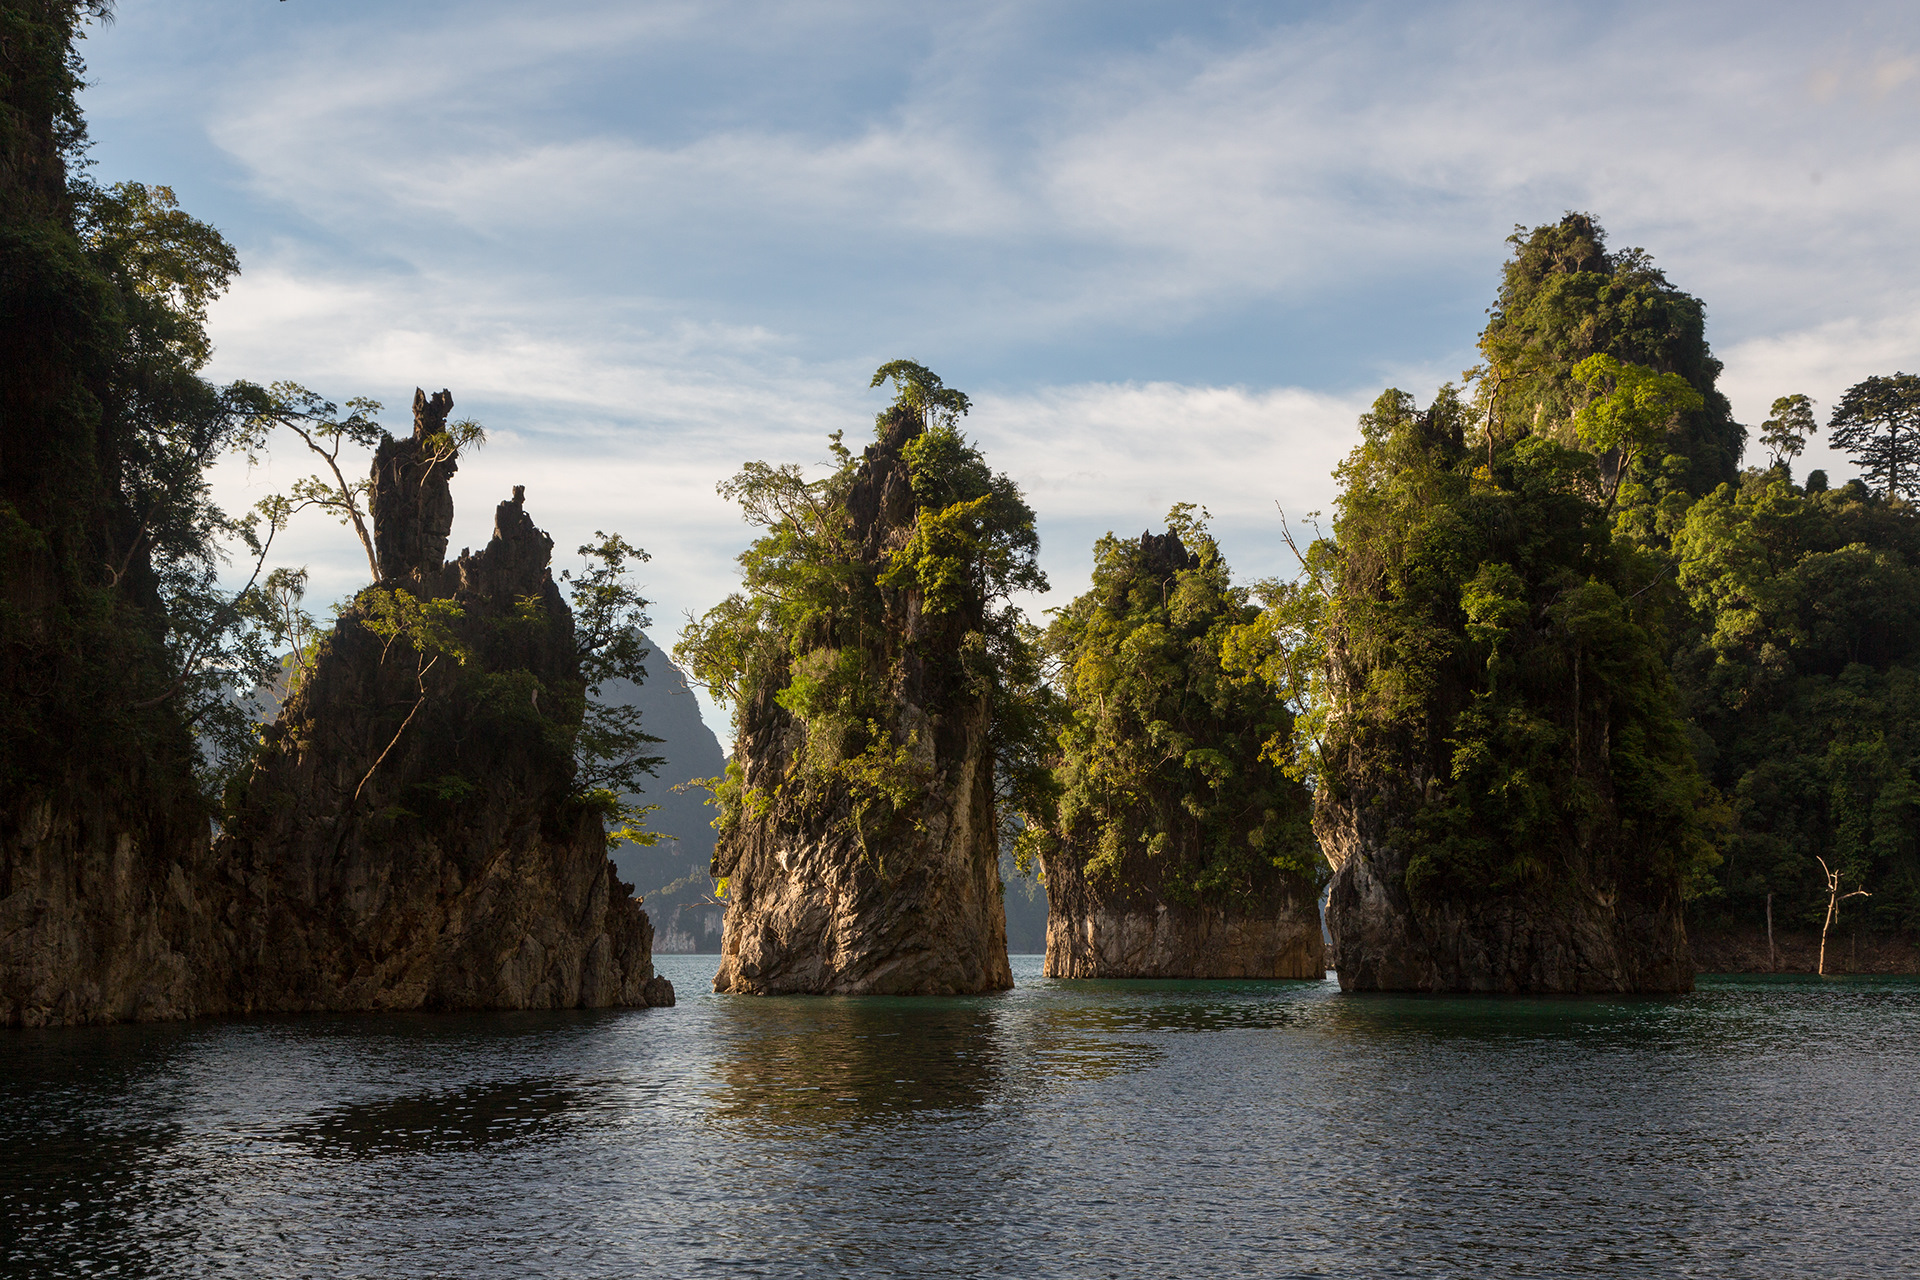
column 1563, row 298
column 1786, row 433
column 1803, row 682
column 1167, row 780
column 611, row 750
column 1630, row 413
column 1878, row 422
column 1483, row 637
column 816, row 628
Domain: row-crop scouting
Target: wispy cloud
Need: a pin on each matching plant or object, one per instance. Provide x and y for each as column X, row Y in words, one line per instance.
column 1174, row 249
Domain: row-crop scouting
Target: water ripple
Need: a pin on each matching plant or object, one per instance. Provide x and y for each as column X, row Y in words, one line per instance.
column 1759, row 1127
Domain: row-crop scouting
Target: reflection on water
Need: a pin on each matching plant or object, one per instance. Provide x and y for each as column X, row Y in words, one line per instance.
column 835, row 1061
column 1756, row 1127
column 439, row 1121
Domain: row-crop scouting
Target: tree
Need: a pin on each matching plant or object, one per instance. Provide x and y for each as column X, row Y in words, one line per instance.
column 1786, row 433
column 1631, row 409
column 1168, row 780
column 318, row 424
column 611, row 751
column 1483, row 636
column 1564, row 296
column 811, row 629
column 1878, row 422
column 1834, row 899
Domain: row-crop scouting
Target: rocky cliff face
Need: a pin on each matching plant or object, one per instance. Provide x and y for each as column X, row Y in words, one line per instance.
column 407, row 839
column 1508, row 795
column 104, row 859
column 1096, row 931
column 1175, row 848
column 817, row 907
column 675, row 876
column 109, row 910
column 1595, row 928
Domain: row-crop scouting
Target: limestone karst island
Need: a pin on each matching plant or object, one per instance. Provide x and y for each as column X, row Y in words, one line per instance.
column 810, row 641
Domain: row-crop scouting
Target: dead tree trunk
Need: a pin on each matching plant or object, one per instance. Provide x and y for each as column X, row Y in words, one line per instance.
column 1834, row 899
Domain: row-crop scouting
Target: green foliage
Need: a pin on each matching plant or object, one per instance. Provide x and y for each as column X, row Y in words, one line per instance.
column 1564, row 298
column 819, row 629
column 1489, row 664
column 1786, row 433
column 1878, row 422
column 429, row 627
column 1630, row 413
column 1803, row 676
column 611, row 749
column 1168, row 777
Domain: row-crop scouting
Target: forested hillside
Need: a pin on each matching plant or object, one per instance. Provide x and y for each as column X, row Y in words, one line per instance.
column 1580, row 503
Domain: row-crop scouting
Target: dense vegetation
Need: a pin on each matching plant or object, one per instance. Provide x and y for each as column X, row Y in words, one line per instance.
column 1566, row 562
column 822, row 627
column 1801, row 669
column 122, row 651
column 107, row 536
column 1492, row 663
column 1164, row 778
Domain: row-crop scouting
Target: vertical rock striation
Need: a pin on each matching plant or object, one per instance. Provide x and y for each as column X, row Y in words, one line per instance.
column 817, row 905
column 1598, row 926
column 1097, row 930
column 1509, row 798
column 104, row 861
column 409, row 496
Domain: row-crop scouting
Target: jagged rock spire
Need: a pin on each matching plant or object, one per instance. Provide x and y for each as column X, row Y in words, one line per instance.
column 411, row 503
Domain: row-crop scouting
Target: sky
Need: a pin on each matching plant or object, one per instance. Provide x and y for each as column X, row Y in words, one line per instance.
column 1171, row 250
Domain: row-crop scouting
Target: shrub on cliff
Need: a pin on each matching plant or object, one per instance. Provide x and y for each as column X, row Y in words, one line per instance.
column 1489, row 668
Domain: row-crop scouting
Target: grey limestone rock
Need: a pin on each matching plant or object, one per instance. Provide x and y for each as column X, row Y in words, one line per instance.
column 407, row 839
column 1097, row 931
column 1597, row 926
column 813, row 908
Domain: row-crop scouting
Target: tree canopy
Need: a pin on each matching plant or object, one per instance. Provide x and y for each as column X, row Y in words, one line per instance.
column 819, row 626
column 1165, row 776
column 1878, row 422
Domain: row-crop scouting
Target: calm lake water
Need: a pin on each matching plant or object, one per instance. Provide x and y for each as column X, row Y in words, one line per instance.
column 1755, row 1128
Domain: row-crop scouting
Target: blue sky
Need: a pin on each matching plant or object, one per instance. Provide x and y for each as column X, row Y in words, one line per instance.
column 1170, row 249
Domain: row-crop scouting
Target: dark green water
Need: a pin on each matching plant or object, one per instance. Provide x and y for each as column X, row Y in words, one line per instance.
column 1755, row 1128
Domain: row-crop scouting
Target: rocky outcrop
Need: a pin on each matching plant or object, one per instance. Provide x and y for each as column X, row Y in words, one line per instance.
column 110, row 911
column 815, row 906
column 1101, row 930
column 1588, row 931
column 408, row 497
column 408, row 839
column 1174, row 846
column 104, row 858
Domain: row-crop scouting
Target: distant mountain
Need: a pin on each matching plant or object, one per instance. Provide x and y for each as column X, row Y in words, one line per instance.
column 672, row 876
column 1026, row 901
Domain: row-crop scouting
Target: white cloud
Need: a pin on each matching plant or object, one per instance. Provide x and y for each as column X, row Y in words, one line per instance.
column 656, row 240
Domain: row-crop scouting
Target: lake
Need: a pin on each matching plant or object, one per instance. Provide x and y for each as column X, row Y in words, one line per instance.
column 1759, row 1127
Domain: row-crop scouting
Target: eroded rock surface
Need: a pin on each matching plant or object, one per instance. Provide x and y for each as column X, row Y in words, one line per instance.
column 1116, row 934
column 814, row 906
column 409, row 498
column 109, row 911
column 408, row 840
column 1597, row 927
